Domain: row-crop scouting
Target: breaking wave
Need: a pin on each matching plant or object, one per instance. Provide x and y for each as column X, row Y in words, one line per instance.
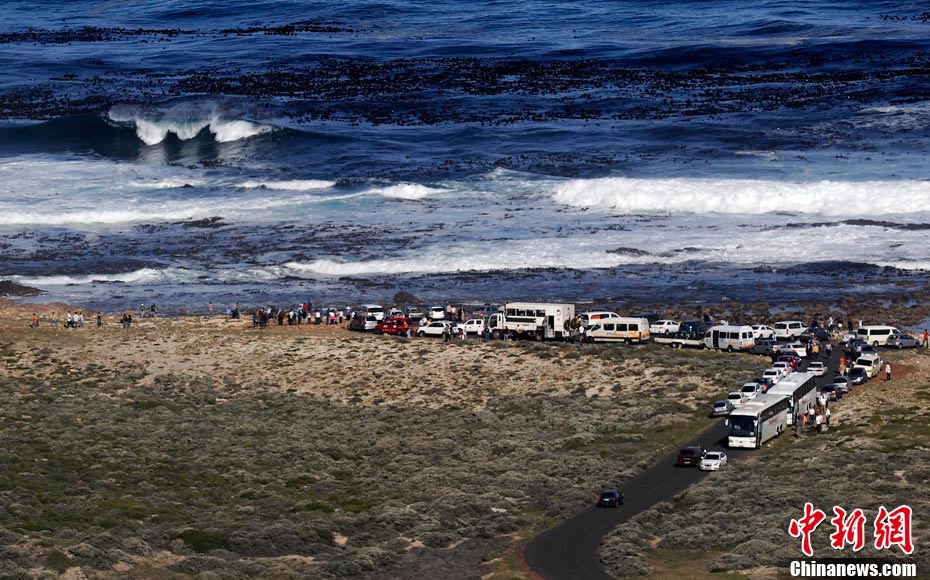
column 186, row 123
column 701, row 196
column 290, row 185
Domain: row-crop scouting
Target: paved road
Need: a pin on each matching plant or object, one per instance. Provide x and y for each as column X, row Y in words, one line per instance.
column 568, row 551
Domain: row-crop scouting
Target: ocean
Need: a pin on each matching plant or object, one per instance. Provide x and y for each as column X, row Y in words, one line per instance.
column 601, row 152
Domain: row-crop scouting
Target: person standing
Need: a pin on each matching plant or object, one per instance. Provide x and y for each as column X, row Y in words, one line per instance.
column 887, row 372
column 818, row 421
column 926, row 338
column 826, row 417
column 799, row 424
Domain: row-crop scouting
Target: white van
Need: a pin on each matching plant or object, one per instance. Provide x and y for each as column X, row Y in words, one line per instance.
column 872, row 363
column 619, row 329
column 375, row 310
column 788, row 329
column 729, row 338
column 592, row 317
column 876, row 335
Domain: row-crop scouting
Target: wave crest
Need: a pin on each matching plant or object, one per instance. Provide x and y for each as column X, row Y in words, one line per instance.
column 185, row 123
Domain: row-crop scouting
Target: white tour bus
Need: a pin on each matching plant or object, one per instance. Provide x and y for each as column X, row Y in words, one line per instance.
column 757, row 421
column 628, row 330
column 537, row 320
column 801, row 391
column 876, row 334
column 729, row 338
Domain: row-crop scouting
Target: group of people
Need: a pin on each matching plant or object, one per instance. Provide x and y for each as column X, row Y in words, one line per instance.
column 817, row 416
column 302, row 313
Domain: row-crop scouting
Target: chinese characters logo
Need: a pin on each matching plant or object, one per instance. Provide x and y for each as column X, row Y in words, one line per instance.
column 890, row 528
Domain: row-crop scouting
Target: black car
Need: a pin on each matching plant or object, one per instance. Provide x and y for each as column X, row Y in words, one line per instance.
column 858, row 376
column 691, row 456
column 610, row 498
column 818, row 333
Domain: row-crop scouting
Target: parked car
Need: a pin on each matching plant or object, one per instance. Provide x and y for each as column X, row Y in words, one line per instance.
column 722, row 407
column 691, row 456
column 473, row 326
column 789, row 329
column 761, row 331
column 832, row 392
column 841, row 388
column 664, row 327
column 750, row 391
column 765, row 382
column 766, row 346
column 395, row 325
column 610, row 498
column 736, row 398
column 713, row 461
column 842, row 381
column 774, row 375
column 858, row 376
column 363, row 322
column 872, row 363
column 786, row 367
column 436, row 313
column 434, row 328
column 414, row 313
column 799, row 348
column 692, row 328
column 791, row 360
column 818, row 333
column 817, row 368
column 902, row 341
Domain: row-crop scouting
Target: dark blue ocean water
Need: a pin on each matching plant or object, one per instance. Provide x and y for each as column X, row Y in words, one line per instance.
column 184, row 152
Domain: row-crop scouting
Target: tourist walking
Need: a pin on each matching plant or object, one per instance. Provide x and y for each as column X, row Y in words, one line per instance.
column 819, row 422
column 887, row 371
column 926, row 338
column 826, row 417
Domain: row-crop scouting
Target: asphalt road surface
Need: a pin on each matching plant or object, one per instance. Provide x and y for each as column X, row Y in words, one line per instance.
column 569, row 551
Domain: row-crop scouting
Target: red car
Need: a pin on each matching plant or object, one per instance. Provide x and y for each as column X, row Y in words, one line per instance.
column 394, row 325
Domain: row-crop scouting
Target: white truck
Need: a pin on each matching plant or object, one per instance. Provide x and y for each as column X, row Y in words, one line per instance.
column 539, row 320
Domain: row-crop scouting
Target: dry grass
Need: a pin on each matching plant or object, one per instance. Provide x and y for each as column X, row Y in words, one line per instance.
column 194, row 447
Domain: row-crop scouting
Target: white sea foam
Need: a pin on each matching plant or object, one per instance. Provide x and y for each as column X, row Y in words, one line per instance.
column 186, row 122
column 405, row 191
column 144, row 276
column 290, row 185
column 702, row 196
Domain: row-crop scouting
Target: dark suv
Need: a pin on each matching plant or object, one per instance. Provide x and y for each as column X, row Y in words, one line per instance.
column 691, row 456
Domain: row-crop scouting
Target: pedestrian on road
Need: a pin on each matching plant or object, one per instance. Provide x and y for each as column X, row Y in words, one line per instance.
column 819, row 422
column 842, row 366
column 829, row 350
column 810, row 415
column 826, row 417
column 799, row 421
column 926, row 338
column 887, row 371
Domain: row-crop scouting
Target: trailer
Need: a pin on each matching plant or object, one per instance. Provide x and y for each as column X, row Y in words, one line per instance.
column 680, row 340
column 538, row 320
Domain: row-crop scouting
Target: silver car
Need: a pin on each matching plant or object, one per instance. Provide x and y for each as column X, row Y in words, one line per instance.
column 902, row 341
column 713, row 461
column 722, row 407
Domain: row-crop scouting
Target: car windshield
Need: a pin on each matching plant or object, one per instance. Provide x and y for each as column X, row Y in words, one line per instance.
column 742, row 426
column 712, row 456
column 749, row 389
column 688, row 452
column 735, row 396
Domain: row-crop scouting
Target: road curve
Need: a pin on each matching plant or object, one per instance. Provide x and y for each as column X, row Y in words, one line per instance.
column 569, row 551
